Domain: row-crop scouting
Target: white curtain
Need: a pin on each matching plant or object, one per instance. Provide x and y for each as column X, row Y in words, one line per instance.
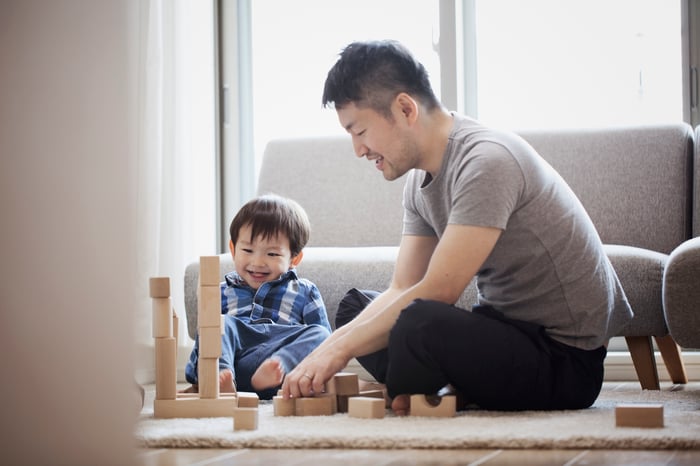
column 176, row 156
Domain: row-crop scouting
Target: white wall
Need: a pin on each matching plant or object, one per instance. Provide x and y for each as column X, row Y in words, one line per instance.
column 67, row 148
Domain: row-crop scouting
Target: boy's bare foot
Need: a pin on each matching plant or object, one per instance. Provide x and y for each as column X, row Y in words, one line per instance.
column 190, row 389
column 401, row 405
column 226, row 382
column 270, row 374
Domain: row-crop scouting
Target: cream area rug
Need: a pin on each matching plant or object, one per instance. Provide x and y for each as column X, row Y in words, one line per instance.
column 592, row 428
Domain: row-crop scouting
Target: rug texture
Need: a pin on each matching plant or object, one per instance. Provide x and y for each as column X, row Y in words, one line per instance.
column 593, row 428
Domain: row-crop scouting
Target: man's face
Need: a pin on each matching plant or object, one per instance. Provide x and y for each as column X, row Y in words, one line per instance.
column 386, row 142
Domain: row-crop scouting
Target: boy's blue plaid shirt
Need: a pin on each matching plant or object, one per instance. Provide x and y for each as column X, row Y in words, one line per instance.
column 288, row 300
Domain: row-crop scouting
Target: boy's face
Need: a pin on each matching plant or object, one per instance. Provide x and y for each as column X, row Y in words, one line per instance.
column 259, row 260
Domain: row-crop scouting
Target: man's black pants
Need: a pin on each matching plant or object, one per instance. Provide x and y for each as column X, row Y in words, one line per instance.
column 494, row 362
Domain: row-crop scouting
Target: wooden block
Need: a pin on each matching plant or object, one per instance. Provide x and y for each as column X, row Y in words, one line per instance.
column 282, row 407
column 248, row 399
column 208, row 377
column 366, row 407
column 342, row 403
column 639, row 415
column 245, row 418
column 420, row 406
column 314, row 406
column 209, row 306
column 166, row 368
column 343, row 383
column 209, row 270
column 194, row 407
column 162, row 310
column 159, row 287
column 209, row 342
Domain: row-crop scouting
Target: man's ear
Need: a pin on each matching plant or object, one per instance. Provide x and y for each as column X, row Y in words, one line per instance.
column 231, row 247
column 407, row 106
column 296, row 260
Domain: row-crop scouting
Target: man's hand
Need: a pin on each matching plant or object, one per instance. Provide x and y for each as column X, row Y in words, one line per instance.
column 310, row 376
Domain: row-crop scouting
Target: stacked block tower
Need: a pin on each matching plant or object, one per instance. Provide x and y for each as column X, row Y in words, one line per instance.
column 168, row 403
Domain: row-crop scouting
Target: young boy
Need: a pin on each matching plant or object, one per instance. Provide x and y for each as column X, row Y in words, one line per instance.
column 273, row 318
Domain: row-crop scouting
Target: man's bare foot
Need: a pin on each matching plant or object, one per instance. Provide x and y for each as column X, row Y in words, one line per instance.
column 270, row 374
column 190, row 389
column 401, row 405
column 226, row 382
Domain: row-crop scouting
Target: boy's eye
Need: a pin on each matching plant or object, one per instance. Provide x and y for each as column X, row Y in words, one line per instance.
column 246, row 250
column 273, row 254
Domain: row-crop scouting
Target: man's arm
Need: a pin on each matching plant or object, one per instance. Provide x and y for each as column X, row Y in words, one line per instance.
column 441, row 274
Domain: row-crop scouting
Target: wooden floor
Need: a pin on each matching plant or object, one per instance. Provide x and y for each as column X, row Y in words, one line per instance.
column 221, row 457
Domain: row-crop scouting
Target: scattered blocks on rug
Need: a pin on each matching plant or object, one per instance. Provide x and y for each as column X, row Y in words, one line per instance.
column 340, row 390
column 366, row 407
column 421, row 406
column 639, row 415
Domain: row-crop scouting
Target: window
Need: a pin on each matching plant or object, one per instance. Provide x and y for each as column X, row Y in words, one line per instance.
column 553, row 63
column 294, row 44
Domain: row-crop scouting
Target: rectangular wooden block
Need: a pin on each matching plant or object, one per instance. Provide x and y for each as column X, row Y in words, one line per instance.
column 162, row 324
column 315, row 406
column 245, row 418
column 159, row 287
column 166, row 368
column 209, row 342
column 366, row 407
column 343, row 383
column 194, row 407
column 209, row 306
column 282, row 407
column 420, row 406
column 639, row 415
column 209, row 270
column 208, row 377
column 248, row 399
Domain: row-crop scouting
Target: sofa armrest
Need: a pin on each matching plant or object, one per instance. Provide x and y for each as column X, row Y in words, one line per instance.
column 681, row 293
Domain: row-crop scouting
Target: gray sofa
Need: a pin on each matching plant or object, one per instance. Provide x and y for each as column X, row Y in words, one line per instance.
column 635, row 182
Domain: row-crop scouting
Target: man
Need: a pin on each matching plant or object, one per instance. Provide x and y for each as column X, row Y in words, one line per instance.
column 477, row 202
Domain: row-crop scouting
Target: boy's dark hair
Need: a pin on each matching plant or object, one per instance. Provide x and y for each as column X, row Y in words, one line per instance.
column 371, row 74
column 269, row 215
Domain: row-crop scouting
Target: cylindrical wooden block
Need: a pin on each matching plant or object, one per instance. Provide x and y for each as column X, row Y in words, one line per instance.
column 159, row 287
column 166, row 369
column 162, row 317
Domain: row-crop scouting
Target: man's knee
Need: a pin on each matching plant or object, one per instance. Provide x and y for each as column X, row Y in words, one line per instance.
column 352, row 304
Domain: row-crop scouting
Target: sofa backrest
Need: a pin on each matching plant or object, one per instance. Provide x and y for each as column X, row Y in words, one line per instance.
column 348, row 201
column 635, row 182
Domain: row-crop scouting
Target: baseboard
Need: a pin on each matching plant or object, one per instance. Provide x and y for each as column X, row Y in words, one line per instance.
column 619, row 367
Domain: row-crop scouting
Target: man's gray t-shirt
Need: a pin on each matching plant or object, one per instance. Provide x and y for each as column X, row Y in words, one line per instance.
column 548, row 266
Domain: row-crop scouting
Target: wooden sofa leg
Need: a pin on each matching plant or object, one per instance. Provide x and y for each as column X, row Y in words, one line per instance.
column 642, row 353
column 671, row 354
